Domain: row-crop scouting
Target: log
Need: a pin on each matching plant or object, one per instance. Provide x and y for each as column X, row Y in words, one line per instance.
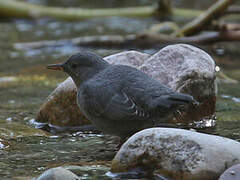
column 139, row 40
column 18, row 9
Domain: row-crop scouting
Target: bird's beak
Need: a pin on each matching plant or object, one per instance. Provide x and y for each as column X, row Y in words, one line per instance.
column 58, row 67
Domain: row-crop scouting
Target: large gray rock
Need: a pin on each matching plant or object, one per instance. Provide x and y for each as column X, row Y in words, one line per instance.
column 177, row 154
column 129, row 58
column 58, row 173
column 186, row 69
column 182, row 67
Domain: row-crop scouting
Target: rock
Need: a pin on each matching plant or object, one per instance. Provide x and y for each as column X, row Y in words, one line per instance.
column 186, row 69
column 182, row 67
column 177, row 154
column 233, row 173
column 129, row 58
column 60, row 108
column 58, row 173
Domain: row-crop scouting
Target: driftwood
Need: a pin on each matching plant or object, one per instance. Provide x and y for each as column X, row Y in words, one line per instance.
column 205, row 18
column 18, row 9
column 226, row 32
column 139, row 40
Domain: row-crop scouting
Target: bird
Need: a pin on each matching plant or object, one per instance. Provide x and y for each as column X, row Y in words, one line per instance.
column 120, row 100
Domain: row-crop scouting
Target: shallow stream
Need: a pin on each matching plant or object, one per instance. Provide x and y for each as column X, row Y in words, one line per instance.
column 25, row 152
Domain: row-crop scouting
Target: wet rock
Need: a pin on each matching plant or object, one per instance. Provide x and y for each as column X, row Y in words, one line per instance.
column 233, row 173
column 58, row 173
column 60, row 108
column 183, row 68
column 177, row 154
column 186, row 69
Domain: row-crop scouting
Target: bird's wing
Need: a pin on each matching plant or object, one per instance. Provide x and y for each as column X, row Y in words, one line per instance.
column 122, row 105
column 115, row 106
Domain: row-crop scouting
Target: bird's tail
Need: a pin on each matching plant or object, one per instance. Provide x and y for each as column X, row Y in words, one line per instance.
column 181, row 99
column 169, row 101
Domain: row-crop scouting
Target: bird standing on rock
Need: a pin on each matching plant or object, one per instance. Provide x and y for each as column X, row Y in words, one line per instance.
column 118, row 99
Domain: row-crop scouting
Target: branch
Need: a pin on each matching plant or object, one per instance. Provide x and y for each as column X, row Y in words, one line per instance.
column 205, row 18
column 18, row 9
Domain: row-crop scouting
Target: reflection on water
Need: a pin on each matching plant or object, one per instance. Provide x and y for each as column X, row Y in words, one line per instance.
column 25, row 83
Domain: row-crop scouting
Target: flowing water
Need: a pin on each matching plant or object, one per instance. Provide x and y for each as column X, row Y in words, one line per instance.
column 25, row 152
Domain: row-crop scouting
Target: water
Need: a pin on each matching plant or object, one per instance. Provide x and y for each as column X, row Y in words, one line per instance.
column 25, row 152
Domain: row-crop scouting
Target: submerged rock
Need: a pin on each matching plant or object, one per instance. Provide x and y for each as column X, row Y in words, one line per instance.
column 58, row 173
column 177, row 154
column 182, row 67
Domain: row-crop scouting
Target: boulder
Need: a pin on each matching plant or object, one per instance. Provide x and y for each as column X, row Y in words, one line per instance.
column 186, row 69
column 177, row 154
column 129, row 58
column 58, row 173
column 182, row 67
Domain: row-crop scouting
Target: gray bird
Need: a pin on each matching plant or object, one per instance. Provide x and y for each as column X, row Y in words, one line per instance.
column 118, row 99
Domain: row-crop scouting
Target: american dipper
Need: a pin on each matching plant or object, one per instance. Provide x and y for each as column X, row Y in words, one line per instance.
column 118, row 99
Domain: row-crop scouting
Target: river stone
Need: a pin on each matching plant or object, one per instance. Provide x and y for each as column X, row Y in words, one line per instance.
column 182, row 67
column 129, row 58
column 60, row 108
column 186, row 69
column 177, row 154
column 58, row 173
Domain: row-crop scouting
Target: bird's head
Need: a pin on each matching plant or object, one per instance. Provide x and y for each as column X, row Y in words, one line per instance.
column 81, row 66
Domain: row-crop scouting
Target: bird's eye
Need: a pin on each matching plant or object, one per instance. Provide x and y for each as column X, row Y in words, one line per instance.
column 73, row 66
